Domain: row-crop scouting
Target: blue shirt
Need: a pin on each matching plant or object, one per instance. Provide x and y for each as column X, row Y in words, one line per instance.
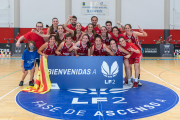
column 29, row 58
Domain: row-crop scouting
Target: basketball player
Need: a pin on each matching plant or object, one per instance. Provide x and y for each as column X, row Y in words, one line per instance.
column 100, row 49
column 116, row 34
column 77, row 33
column 91, row 32
column 105, row 37
column 63, row 49
column 120, row 51
column 82, row 47
column 96, row 26
column 48, row 48
column 109, row 27
column 53, row 28
column 132, row 36
column 134, row 59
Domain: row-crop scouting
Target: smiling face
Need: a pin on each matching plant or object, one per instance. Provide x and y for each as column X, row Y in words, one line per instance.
column 73, row 21
column 122, row 42
column 39, row 26
column 68, row 40
column 127, row 28
column 109, row 26
column 60, row 29
column 55, row 22
column 98, row 41
column 78, row 26
column 103, row 30
column 52, row 40
column 85, row 39
column 94, row 21
column 90, row 27
column 113, row 44
column 115, row 31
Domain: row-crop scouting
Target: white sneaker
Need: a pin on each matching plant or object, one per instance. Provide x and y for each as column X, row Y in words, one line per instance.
column 130, row 84
column 139, row 83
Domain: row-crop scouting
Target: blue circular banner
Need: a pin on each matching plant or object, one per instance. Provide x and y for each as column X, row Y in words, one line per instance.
column 101, row 104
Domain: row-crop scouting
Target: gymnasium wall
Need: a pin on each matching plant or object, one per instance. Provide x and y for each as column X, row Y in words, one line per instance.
column 147, row 14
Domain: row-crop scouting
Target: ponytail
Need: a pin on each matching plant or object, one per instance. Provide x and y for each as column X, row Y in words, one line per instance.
column 52, row 29
column 89, row 44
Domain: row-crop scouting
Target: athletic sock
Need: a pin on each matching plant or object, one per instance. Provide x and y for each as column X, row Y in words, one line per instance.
column 131, row 77
column 136, row 79
column 129, row 81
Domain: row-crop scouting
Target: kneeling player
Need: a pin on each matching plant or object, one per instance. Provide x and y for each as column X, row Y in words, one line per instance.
column 82, row 48
column 100, row 49
column 48, row 48
column 63, row 49
column 135, row 58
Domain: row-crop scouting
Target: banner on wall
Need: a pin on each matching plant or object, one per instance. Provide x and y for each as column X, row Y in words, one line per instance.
column 151, row 50
column 167, row 50
column 70, row 72
column 177, row 48
column 94, row 8
column 5, row 49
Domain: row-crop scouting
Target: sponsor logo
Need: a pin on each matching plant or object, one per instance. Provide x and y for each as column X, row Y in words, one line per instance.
column 83, row 3
column 150, row 50
column 166, row 49
column 109, row 72
column 177, row 51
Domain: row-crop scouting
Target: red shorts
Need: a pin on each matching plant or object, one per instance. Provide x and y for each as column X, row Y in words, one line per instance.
column 135, row 60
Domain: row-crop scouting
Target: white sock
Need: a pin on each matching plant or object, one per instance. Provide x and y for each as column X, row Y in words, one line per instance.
column 131, row 77
column 129, row 80
column 136, row 79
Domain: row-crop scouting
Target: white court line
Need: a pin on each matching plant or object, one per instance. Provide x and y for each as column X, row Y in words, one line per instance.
column 14, row 89
column 161, row 79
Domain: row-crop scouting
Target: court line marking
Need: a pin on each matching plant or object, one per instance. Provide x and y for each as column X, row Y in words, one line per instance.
column 160, row 79
column 141, row 59
column 14, row 89
column 10, row 74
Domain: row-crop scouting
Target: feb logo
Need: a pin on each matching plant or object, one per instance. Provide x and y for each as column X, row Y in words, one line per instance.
column 109, row 72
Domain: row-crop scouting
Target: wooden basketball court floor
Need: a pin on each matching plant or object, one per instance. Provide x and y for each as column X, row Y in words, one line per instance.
column 164, row 72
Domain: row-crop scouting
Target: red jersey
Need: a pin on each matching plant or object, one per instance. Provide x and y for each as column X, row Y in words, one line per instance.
column 111, row 31
column 63, row 37
column 65, row 50
column 91, row 39
column 118, row 52
column 106, row 40
column 96, row 29
column 39, row 41
column 100, row 52
column 133, row 54
column 75, row 39
column 73, row 28
column 116, row 38
column 83, row 51
column 49, row 50
column 134, row 40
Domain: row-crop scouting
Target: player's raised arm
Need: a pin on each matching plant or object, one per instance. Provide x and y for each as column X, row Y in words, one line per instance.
column 65, row 26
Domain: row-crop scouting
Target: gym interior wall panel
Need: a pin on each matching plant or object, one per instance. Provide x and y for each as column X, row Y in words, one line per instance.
column 174, row 14
column 148, row 14
column 33, row 11
column 6, row 13
column 86, row 19
column 6, row 33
